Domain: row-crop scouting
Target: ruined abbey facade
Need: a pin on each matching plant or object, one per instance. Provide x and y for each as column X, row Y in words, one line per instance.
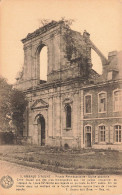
column 76, row 107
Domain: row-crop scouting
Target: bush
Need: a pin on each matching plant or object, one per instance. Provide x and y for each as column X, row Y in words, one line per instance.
column 7, row 138
column 42, row 161
column 31, row 159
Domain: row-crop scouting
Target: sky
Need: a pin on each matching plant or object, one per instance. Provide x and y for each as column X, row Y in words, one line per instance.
column 102, row 19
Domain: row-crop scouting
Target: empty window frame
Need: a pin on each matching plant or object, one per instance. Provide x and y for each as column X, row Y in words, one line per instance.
column 118, row 133
column 88, row 104
column 117, row 100
column 102, row 99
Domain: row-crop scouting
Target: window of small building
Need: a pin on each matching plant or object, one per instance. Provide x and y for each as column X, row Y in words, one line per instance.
column 118, row 100
column 88, row 106
column 118, row 133
column 102, row 98
column 102, row 133
column 68, row 116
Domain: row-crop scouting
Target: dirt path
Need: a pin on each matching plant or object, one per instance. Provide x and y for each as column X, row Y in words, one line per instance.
column 7, row 168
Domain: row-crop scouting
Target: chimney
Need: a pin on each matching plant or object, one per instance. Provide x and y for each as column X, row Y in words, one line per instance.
column 111, row 55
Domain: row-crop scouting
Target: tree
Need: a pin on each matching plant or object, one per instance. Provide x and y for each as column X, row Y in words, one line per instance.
column 13, row 104
column 5, row 93
column 18, row 104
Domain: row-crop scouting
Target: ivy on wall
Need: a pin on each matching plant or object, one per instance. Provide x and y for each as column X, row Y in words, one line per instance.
column 76, row 52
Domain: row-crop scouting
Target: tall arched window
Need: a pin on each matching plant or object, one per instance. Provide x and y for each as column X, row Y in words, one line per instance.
column 68, row 116
column 43, row 64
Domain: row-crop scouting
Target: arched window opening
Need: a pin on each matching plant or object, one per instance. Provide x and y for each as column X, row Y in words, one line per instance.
column 68, row 116
column 43, row 64
column 96, row 61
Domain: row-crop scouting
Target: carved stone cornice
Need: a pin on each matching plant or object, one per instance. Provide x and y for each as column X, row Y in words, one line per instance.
column 41, row 30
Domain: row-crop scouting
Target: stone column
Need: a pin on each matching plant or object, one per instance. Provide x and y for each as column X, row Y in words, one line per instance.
column 50, row 120
column 35, row 134
column 74, row 116
column 58, row 116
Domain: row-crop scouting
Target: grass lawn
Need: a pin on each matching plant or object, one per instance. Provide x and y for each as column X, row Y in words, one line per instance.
column 82, row 161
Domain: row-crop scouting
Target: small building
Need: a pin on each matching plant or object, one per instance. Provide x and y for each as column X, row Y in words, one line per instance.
column 75, row 107
column 103, row 107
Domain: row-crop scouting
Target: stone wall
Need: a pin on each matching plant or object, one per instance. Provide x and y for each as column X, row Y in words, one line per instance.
column 55, row 117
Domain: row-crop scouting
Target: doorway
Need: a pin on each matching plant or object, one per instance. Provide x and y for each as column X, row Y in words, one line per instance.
column 41, row 130
column 88, row 139
column 88, row 136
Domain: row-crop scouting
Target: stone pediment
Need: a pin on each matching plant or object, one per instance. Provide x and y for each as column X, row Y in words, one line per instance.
column 38, row 104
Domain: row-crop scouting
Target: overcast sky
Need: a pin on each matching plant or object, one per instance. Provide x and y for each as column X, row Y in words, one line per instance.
column 102, row 19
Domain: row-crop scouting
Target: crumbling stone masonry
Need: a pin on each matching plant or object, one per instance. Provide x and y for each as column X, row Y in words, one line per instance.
column 57, row 111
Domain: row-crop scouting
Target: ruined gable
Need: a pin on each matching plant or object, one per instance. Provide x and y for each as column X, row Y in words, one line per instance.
column 68, row 52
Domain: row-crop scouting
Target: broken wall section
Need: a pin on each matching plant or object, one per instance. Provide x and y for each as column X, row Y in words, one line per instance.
column 76, row 52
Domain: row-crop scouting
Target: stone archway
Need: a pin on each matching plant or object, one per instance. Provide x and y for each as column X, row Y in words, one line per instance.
column 41, row 64
column 41, row 130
